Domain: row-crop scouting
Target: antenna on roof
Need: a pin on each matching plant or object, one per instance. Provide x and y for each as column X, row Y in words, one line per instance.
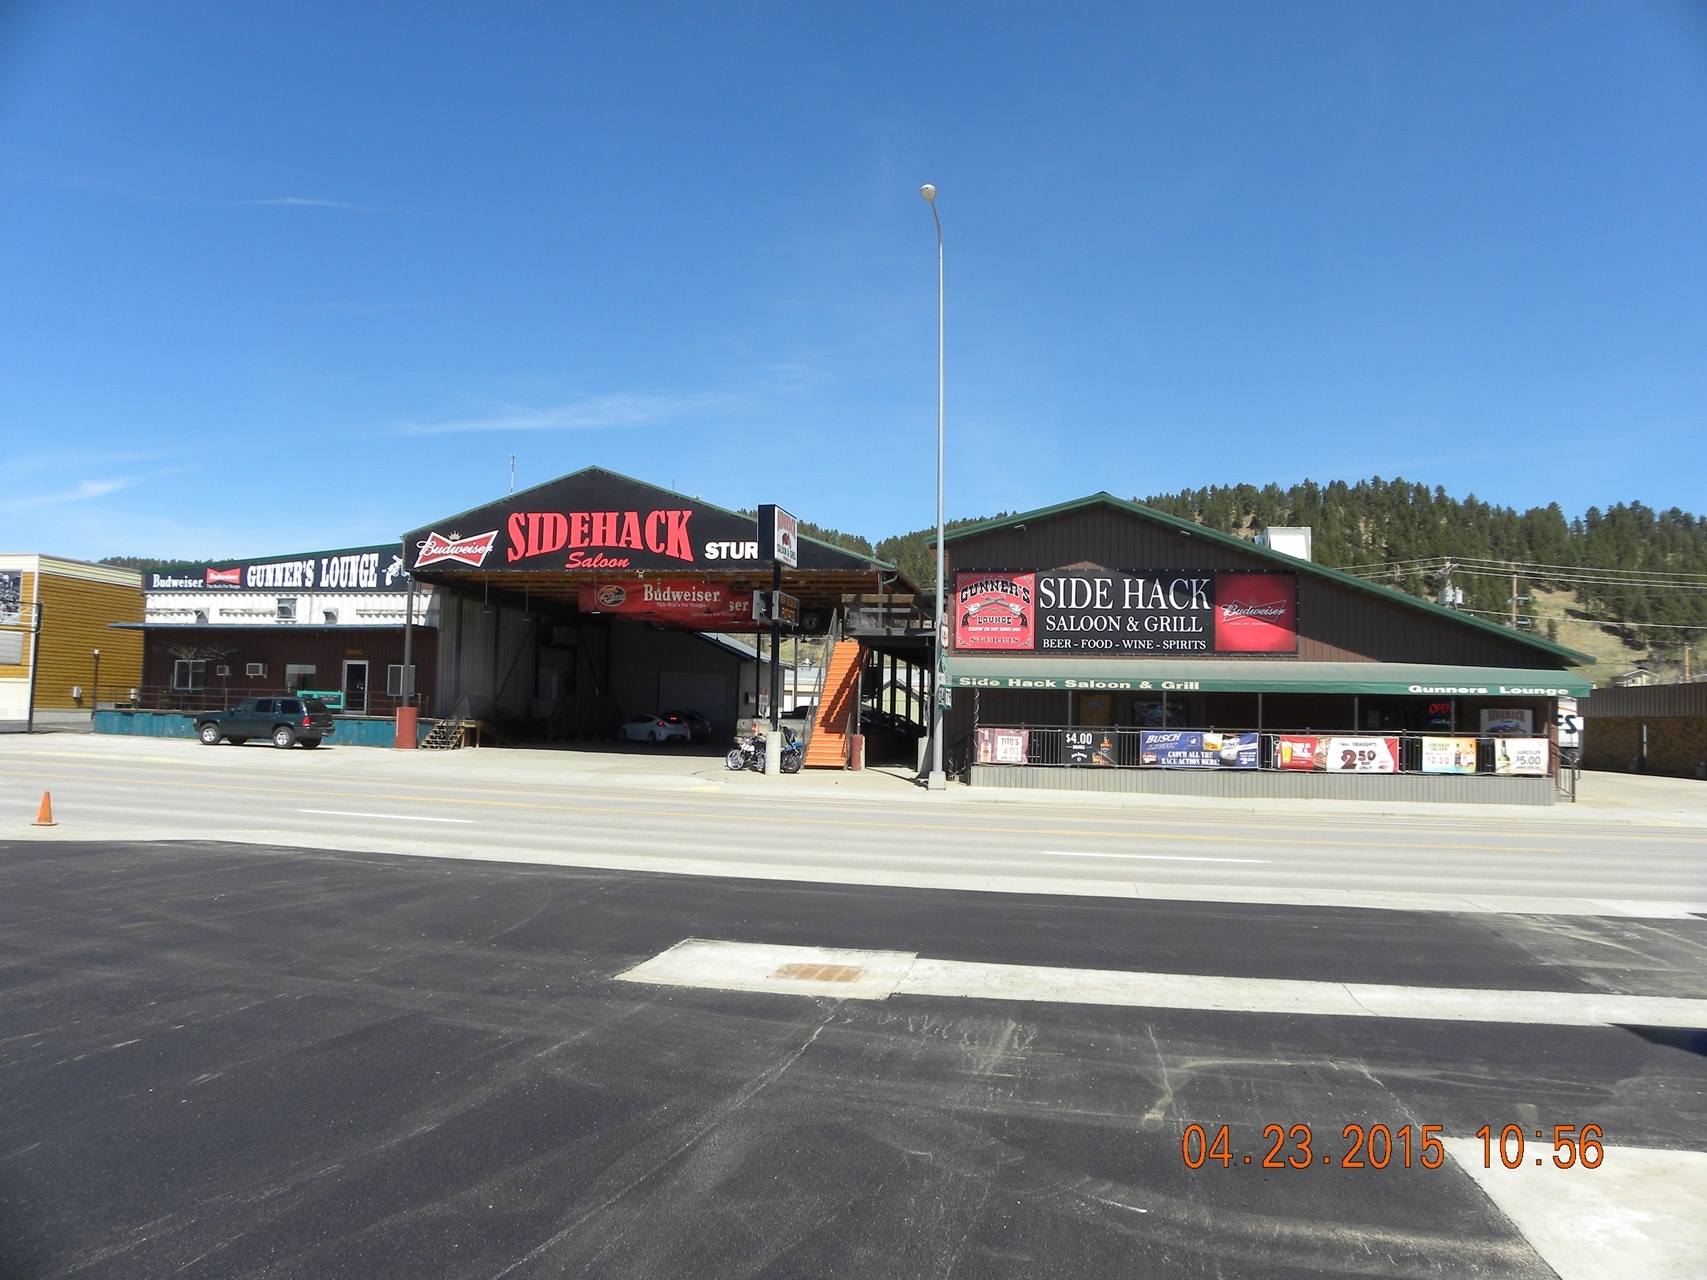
column 512, row 474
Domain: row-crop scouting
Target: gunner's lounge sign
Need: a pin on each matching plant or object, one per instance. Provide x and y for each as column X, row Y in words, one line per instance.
column 1161, row 613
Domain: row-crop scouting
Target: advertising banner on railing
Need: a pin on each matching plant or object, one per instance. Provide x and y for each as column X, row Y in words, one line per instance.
column 1088, row 746
column 1361, row 755
column 1294, row 751
column 1003, row 746
column 1139, row 611
column 1190, row 749
column 1449, row 755
column 1521, row 756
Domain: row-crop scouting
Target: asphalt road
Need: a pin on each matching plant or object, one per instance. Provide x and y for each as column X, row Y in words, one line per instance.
column 691, row 816
column 247, row 1061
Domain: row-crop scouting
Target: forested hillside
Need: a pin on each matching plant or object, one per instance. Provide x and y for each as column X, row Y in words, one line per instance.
column 1644, row 571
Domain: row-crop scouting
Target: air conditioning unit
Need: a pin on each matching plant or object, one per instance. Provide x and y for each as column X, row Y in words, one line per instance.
column 255, row 669
column 222, row 670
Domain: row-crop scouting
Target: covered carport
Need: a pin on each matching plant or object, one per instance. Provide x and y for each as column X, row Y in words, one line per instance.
column 569, row 607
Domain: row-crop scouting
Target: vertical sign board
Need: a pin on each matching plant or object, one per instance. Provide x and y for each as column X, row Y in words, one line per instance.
column 779, row 535
column 1570, row 723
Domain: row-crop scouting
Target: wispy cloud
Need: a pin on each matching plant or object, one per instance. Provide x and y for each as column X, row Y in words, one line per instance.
column 85, row 491
column 620, row 410
column 311, row 202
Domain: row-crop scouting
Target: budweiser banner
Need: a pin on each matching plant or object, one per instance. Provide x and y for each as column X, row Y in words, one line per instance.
column 1521, row 756
column 598, row 522
column 1162, row 613
column 1361, row 755
column 711, row 602
column 322, row 572
column 1449, row 755
column 1190, row 749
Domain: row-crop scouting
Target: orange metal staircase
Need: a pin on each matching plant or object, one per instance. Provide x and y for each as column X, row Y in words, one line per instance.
column 828, row 746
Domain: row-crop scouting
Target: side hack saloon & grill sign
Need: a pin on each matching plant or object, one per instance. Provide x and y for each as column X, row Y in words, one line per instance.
column 1158, row 612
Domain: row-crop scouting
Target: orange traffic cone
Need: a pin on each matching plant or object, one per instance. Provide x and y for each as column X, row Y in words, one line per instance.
column 44, row 816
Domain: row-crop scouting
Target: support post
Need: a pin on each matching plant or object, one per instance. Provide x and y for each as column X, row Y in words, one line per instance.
column 776, row 649
column 35, row 648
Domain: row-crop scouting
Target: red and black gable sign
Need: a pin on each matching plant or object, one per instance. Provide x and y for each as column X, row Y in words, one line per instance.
column 598, row 521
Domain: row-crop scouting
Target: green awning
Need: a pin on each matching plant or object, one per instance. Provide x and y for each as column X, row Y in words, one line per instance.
column 1176, row 675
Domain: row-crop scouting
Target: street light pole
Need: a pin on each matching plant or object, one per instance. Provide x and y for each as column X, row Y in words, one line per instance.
column 938, row 781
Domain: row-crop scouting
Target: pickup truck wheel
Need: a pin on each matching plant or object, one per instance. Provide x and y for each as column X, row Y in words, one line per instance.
column 284, row 737
column 209, row 734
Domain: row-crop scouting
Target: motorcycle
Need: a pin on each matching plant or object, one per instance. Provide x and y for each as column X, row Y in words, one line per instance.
column 749, row 753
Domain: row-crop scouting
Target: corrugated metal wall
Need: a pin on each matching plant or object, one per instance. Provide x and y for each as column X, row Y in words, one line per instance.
column 75, row 614
column 485, row 656
column 1647, row 700
column 1335, row 623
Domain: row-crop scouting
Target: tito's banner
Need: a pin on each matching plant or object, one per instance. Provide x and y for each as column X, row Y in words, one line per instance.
column 1160, row 612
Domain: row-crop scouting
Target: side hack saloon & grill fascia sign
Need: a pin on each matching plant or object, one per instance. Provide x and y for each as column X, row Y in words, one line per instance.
column 1131, row 612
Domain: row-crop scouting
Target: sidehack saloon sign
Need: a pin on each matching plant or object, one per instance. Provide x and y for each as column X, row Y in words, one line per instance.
column 596, row 521
column 1157, row 612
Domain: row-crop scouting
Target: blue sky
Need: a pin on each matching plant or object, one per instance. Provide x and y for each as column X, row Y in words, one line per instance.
column 280, row 277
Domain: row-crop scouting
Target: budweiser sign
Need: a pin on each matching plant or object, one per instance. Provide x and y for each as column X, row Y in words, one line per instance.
column 1256, row 613
column 225, row 577
column 472, row 551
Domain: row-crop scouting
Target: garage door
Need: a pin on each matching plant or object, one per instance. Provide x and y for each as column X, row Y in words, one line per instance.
column 701, row 691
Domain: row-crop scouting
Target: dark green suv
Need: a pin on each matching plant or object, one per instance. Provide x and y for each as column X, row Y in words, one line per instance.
column 287, row 721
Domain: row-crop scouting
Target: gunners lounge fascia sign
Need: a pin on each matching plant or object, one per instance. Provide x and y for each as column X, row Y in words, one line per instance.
column 354, row 569
column 1155, row 612
column 596, row 521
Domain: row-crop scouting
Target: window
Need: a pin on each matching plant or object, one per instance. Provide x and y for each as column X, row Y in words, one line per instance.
column 298, row 675
column 290, row 707
column 395, row 681
column 189, row 673
column 287, row 610
column 254, row 669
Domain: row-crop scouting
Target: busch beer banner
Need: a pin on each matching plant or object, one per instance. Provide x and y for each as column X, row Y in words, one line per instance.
column 1162, row 613
column 1190, row 749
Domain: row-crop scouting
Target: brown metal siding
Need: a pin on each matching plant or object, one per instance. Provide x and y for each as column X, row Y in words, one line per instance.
column 1335, row 623
column 1647, row 700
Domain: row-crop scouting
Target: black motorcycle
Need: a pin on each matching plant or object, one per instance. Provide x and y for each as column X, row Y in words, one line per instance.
column 749, row 753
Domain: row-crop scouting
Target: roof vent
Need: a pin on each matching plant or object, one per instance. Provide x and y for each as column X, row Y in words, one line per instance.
column 1293, row 542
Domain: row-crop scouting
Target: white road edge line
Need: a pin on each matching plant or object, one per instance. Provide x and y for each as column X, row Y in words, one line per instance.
column 877, row 975
column 1147, row 857
column 389, row 817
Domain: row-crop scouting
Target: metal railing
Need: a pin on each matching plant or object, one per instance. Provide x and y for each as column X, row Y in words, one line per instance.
column 1375, row 752
column 159, row 697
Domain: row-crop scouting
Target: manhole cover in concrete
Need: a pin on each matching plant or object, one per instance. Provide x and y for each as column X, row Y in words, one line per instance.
column 820, row 972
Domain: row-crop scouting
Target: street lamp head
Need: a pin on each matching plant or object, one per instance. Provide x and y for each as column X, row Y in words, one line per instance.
column 928, row 192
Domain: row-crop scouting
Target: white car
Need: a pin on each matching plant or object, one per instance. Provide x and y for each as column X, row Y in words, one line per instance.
column 656, row 729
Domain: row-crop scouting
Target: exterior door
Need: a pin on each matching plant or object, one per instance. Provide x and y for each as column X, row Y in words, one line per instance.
column 1094, row 708
column 355, row 688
